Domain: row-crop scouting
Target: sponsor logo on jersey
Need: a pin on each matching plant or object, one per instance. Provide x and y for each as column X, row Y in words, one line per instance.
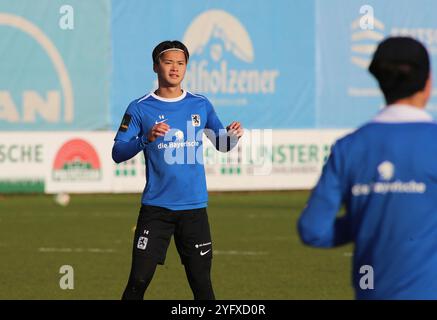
column 179, row 135
column 386, row 172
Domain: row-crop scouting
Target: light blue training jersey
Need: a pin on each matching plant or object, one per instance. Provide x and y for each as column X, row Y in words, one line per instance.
column 174, row 164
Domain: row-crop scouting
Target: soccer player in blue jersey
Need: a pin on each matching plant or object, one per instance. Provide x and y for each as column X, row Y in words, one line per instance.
column 385, row 175
column 167, row 126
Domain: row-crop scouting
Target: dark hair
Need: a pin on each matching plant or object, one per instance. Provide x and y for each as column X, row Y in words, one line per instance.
column 401, row 66
column 165, row 45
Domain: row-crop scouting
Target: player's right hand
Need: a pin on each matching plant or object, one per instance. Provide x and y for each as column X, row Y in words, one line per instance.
column 158, row 130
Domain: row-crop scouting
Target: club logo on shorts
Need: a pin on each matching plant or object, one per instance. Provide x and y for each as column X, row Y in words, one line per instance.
column 195, row 120
column 142, row 243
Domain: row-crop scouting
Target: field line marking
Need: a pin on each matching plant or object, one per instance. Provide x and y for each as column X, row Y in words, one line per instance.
column 239, row 253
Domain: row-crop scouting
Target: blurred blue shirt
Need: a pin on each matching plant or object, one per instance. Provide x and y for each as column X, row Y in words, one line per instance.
column 385, row 175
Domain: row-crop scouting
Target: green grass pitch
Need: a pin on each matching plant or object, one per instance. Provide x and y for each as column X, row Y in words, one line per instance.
column 257, row 251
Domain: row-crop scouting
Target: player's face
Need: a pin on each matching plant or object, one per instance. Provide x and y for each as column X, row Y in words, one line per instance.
column 171, row 68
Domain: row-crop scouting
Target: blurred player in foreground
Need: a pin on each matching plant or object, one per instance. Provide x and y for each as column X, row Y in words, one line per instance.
column 167, row 125
column 385, row 174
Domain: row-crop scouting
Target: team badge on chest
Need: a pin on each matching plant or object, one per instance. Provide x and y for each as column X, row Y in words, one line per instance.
column 195, row 120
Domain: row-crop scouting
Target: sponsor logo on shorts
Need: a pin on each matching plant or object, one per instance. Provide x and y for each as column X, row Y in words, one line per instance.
column 202, row 244
column 203, row 253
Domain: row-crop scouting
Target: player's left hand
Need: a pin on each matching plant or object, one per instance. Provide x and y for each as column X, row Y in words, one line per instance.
column 235, row 129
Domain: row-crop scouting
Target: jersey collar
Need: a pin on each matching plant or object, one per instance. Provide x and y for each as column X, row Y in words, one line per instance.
column 398, row 113
column 182, row 96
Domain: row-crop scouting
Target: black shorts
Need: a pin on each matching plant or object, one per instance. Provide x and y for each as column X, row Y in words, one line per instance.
column 156, row 225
